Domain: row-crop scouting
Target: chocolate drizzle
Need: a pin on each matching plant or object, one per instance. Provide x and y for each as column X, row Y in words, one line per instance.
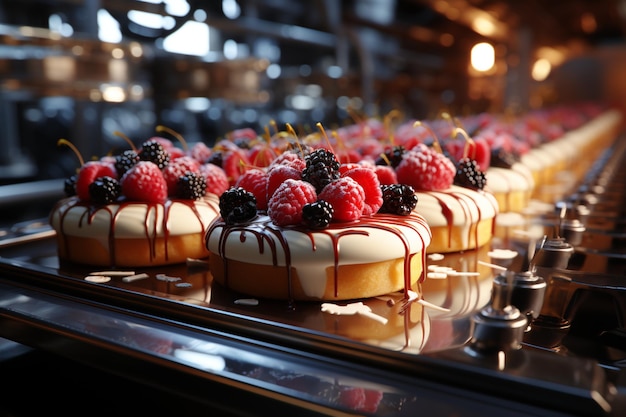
column 266, row 233
column 150, row 222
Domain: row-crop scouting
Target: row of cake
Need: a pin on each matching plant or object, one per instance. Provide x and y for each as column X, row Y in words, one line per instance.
column 340, row 215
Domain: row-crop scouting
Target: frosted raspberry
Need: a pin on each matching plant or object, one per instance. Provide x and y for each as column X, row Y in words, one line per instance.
column 291, row 159
column 255, row 182
column 366, row 177
column 277, row 174
column 424, row 168
column 216, row 179
column 386, row 175
column 346, row 197
column 343, row 168
column 200, row 152
column 285, row 205
column 144, row 182
column 176, row 169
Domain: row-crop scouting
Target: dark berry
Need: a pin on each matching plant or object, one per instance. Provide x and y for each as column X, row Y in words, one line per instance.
column 469, row 174
column 125, row 161
column 237, row 206
column 502, row 159
column 153, row 151
column 321, row 169
column 104, row 190
column 398, row 199
column 191, row 186
column 317, row 215
column 216, row 158
column 391, row 157
column 69, row 186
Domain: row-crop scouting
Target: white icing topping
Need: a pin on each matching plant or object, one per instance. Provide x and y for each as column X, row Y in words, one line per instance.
column 467, row 206
column 311, row 253
column 505, row 180
column 134, row 220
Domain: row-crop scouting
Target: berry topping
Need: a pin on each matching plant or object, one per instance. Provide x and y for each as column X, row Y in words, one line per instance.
column 104, row 190
column 398, row 199
column 346, row 197
column 200, row 152
column 469, row 175
column 144, row 182
column 176, row 169
column 153, row 151
column 69, row 185
column 88, row 173
column 391, row 157
column 125, row 161
column 285, row 205
column 278, row 174
column 367, row 179
column 317, row 215
column 322, row 168
column 423, row 168
column 237, row 206
column 502, row 159
column 216, row 179
column 234, row 163
column 255, row 181
column 191, row 186
column 386, row 174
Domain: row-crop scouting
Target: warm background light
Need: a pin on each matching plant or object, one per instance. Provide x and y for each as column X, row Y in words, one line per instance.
column 541, row 69
column 483, row 57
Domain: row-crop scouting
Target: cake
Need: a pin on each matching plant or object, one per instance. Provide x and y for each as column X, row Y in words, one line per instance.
column 329, row 232
column 144, row 207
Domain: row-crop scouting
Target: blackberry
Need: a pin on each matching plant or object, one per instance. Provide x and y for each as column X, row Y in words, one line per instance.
column 391, row 157
column 191, row 186
column 153, row 151
column 104, row 190
column 502, row 159
column 237, row 206
column 469, row 175
column 321, row 168
column 125, row 161
column 242, row 142
column 317, row 215
column 398, row 199
column 69, row 185
column 216, row 158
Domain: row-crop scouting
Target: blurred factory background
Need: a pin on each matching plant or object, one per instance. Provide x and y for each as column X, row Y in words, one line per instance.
column 85, row 69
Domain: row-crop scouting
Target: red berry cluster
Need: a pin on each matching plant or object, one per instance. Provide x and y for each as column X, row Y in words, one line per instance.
column 283, row 191
column 158, row 170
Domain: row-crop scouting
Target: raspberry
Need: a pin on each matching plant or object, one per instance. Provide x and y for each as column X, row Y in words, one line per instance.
column 366, row 177
column 176, row 169
column 200, row 152
column 255, row 181
column 216, row 179
column 88, row 174
column 278, row 174
column 398, row 199
column 386, row 175
column 144, row 182
column 285, row 205
column 347, row 198
column 237, row 206
column 289, row 158
column 343, row 168
column 424, row 168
